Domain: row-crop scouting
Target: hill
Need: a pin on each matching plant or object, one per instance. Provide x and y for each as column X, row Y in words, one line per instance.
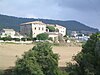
column 13, row 22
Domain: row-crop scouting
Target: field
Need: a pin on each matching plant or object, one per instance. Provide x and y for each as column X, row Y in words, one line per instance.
column 10, row 52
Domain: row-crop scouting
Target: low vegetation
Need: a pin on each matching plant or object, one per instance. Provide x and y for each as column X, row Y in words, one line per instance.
column 1, row 72
column 42, row 36
column 38, row 61
column 88, row 60
column 51, row 28
column 13, row 22
column 41, row 60
column 15, row 39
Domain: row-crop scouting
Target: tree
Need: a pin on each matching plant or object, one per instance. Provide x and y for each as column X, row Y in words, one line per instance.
column 39, row 61
column 46, row 59
column 88, row 60
column 51, row 28
column 27, row 65
column 42, row 36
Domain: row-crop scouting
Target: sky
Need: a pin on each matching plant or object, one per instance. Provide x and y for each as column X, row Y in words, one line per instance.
column 84, row 11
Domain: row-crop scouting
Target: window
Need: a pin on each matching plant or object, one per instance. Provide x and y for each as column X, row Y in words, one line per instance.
column 39, row 28
column 35, row 28
column 42, row 28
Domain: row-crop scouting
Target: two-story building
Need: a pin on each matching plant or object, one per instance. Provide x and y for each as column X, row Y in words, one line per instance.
column 32, row 28
column 37, row 27
column 60, row 29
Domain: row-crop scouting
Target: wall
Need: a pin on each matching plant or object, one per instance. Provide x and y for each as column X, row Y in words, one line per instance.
column 38, row 29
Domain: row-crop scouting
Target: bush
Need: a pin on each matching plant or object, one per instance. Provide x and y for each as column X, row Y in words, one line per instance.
column 16, row 39
column 50, row 38
column 1, row 72
column 42, row 36
column 6, row 39
column 23, row 39
column 51, row 28
column 38, row 61
column 34, row 39
column 88, row 60
column 29, row 39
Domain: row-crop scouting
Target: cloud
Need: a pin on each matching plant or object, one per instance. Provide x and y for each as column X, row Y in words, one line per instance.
column 85, row 11
column 37, row 8
column 81, row 5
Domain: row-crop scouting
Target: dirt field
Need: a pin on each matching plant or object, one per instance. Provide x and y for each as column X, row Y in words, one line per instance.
column 8, row 53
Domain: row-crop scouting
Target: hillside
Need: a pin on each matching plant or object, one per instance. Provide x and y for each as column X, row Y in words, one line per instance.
column 13, row 22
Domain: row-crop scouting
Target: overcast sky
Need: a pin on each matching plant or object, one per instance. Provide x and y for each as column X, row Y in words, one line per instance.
column 85, row 11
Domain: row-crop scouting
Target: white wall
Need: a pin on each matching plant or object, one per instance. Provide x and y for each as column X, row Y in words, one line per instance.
column 7, row 33
column 53, row 37
column 38, row 29
column 35, row 28
column 61, row 29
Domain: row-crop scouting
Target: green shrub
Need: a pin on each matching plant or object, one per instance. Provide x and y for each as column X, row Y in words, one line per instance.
column 6, row 39
column 42, row 36
column 16, row 39
column 1, row 72
column 88, row 60
column 51, row 28
column 23, row 39
column 50, row 38
column 39, row 61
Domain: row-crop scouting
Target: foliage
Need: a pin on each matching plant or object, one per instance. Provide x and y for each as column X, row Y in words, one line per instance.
column 38, row 61
column 88, row 60
column 13, row 22
column 1, row 72
column 27, row 65
column 51, row 28
column 16, row 39
column 23, row 39
column 34, row 39
column 57, row 30
column 6, row 38
column 50, row 38
column 9, row 39
column 42, row 36
column 29, row 39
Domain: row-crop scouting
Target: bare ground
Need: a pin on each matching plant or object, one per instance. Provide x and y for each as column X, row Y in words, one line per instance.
column 9, row 53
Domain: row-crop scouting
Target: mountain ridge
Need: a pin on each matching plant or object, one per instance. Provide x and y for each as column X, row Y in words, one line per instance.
column 13, row 22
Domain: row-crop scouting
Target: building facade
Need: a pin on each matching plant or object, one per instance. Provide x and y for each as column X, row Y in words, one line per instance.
column 10, row 33
column 61, row 29
column 54, row 36
column 37, row 27
column 7, row 33
column 32, row 28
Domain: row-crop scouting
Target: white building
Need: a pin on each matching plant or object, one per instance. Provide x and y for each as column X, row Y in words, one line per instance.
column 18, row 35
column 32, row 28
column 38, row 27
column 82, row 37
column 61, row 29
column 10, row 33
column 74, row 33
column 53, row 35
column 7, row 33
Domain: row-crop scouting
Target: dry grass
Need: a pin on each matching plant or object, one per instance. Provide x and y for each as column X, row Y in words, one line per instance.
column 8, row 53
